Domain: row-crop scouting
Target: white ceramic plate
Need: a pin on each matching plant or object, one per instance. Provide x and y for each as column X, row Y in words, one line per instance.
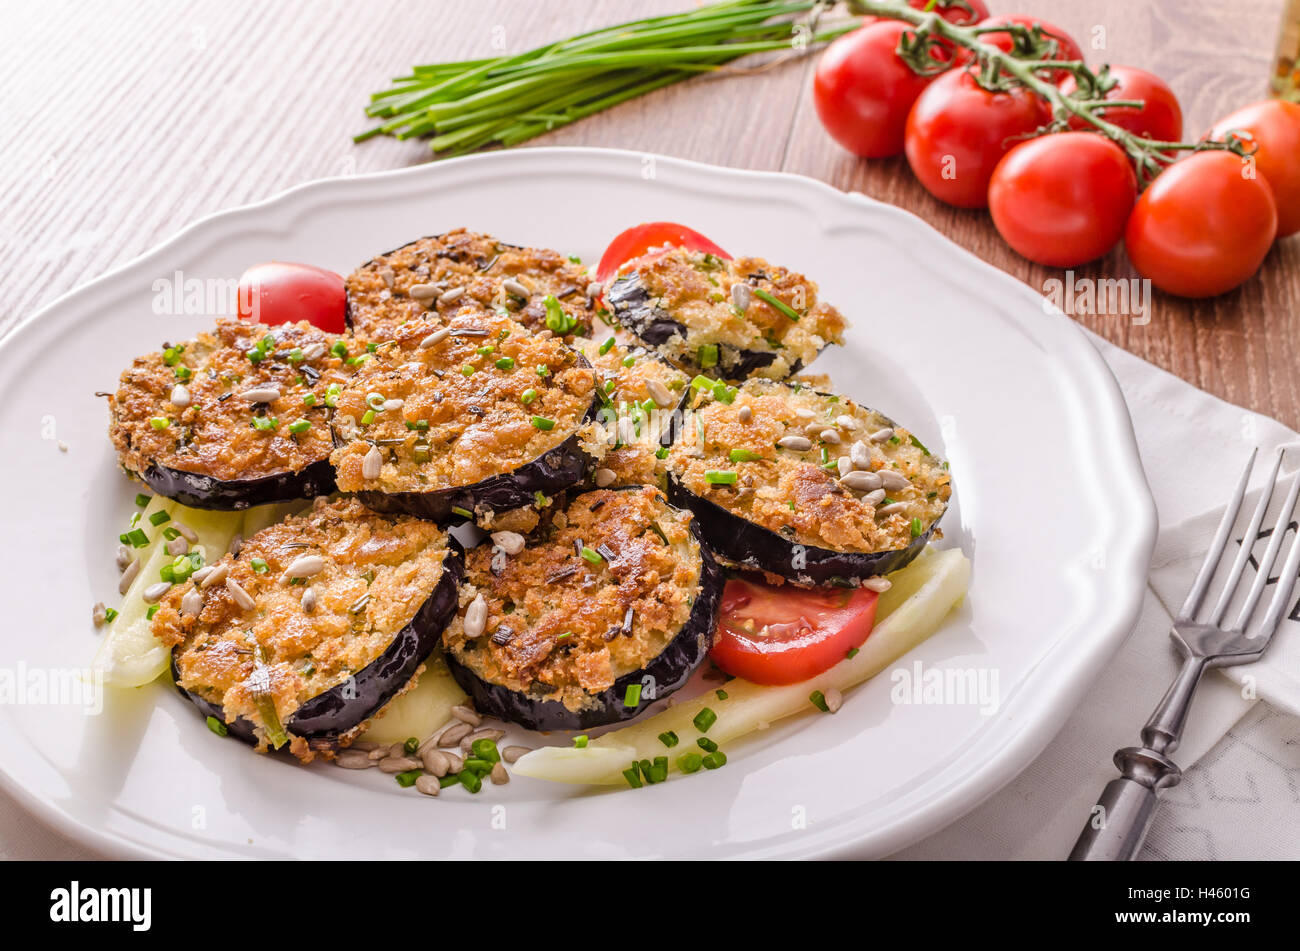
column 1051, row 505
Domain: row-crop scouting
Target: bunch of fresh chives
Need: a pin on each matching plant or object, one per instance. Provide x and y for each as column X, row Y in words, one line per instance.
column 506, row 100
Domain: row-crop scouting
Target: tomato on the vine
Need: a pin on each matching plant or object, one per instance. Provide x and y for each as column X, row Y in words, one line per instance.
column 863, row 91
column 1202, row 227
column 1066, row 47
column 958, row 131
column 280, row 292
column 1160, row 117
column 1273, row 126
column 961, row 12
column 637, row 241
column 1063, row 199
column 784, row 635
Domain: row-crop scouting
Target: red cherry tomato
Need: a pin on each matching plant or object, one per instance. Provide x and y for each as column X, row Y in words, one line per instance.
column 958, row 132
column 863, row 91
column 279, row 292
column 636, row 241
column 961, row 12
column 784, row 635
column 1160, row 118
column 1203, row 227
column 1063, row 199
column 1274, row 127
column 1067, row 48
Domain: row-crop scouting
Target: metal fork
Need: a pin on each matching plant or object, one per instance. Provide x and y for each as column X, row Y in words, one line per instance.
column 1123, row 814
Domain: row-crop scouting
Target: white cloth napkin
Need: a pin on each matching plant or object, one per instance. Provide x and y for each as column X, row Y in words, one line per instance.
column 1232, row 802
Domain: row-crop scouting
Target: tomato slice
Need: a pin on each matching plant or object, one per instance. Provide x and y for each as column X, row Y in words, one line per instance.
column 635, row 242
column 782, row 635
column 280, row 292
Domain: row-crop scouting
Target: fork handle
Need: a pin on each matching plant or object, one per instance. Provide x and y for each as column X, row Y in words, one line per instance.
column 1123, row 813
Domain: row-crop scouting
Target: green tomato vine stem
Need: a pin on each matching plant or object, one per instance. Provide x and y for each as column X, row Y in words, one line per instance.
column 998, row 71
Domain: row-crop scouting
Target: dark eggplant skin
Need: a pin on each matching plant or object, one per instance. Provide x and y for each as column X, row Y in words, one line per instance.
column 633, row 308
column 326, row 717
column 741, row 545
column 670, row 670
column 208, row 492
column 551, row 473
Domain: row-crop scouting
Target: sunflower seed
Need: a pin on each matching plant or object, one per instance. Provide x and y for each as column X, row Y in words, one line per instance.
column 454, row 763
column 476, row 617
column 892, row 481
column 429, row 785
column 304, row 566
column 177, row 546
column 795, row 443
column 861, row 481
column 844, row 465
column 393, row 405
column 804, row 413
column 241, row 597
column 454, row 734
column 893, row 508
column 192, row 603
column 364, row 746
column 514, row 287
column 435, row 338
column 128, row 575
column 399, row 764
column 354, row 759
column 180, row 396
column 829, row 436
column 512, row 543
column 153, row 594
column 604, row 477
column 372, row 464
column 874, row 497
column 397, row 749
column 186, row 532
column 313, row 352
column 833, row 698
column 881, row 435
column 860, row 455
column 423, row 291
column 378, row 753
column 99, row 614
column 512, row 753
column 878, row 584
column 215, row 576
column 453, row 295
column 261, row 394
column 435, row 762
column 745, row 414
column 387, row 276
column 124, row 557
column 309, row 601
column 595, row 289
column 466, row 714
column 659, row 393
column 740, row 296
column 499, row 776
column 846, row 422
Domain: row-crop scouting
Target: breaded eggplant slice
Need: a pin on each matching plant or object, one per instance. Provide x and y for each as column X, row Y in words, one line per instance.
column 727, row 319
column 604, row 611
column 314, row 626
column 443, row 272
column 642, row 396
column 806, row 486
column 233, row 418
column 465, row 417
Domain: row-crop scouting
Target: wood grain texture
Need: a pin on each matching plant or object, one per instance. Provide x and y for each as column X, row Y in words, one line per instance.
column 126, row 121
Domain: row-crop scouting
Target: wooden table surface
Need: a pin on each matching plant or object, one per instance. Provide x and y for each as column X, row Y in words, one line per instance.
column 127, row 120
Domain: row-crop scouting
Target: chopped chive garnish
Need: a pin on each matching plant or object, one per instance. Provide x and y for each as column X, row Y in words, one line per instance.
column 153, row 609
column 543, row 370
column 173, row 354
column 632, row 698
column 607, row 346
column 780, row 305
column 367, row 417
column 853, row 652
column 294, row 355
column 917, row 528
column 632, row 777
column 110, row 614
column 217, row 727
column 357, row 361
column 556, row 319
column 690, row 762
column 609, row 386
column 484, row 351
column 486, row 749
column 309, row 399
column 629, row 361
column 407, row 779
column 411, row 745
column 716, row 477
column 702, row 382
column 593, row 556
column 142, row 500
column 506, row 363
column 340, row 349
column 661, row 452
column 705, row 719
column 580, row 742
column 467, row 370
column 721, row 694
column 744, row 455
column 157, row 518
column 715, row 760
column 894, row 440
column 659, row 769
column 818, row 700
column 332, row 394
column 136, row 538
column 182, row 373
column 723, row 393
column 668, row 739
column 708, row 355
column 706, row 744
column 265, row 423
column 470, row 781
column 464, row 513
column 259, row 565
column 541, row 422
column 540, row 499
column 299, row 426
column 917, row 443
column 160, row 422
column 527, row 396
